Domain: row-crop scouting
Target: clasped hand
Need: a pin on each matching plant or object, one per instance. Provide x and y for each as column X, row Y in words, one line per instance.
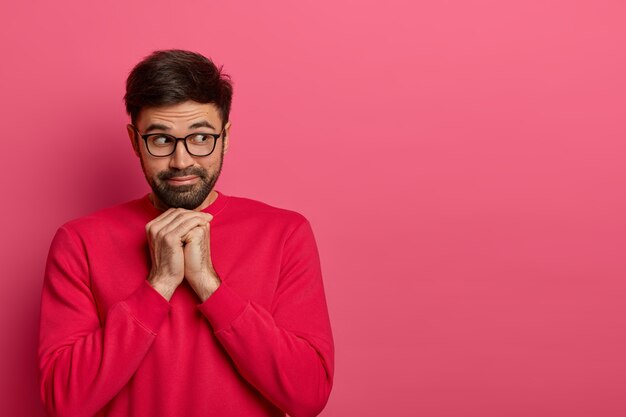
column 179, row 242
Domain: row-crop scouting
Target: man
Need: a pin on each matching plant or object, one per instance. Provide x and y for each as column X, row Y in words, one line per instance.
column 186, row 302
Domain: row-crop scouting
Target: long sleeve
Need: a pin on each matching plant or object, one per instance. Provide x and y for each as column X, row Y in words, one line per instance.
column 83, row 363
column 286, row 352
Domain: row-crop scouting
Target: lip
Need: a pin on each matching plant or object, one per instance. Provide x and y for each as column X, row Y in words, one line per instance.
column 191, row 179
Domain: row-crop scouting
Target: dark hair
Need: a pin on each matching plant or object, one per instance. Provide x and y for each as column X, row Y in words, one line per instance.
column 174, row 76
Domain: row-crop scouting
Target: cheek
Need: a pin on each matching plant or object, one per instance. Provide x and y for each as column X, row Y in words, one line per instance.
column 151, row 166
column 211, row 163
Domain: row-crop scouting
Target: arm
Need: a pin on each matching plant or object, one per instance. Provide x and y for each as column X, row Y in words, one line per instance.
column 79, row 357
column 287, row 353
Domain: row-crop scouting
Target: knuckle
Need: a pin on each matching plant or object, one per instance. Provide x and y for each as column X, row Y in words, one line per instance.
column 191, row 220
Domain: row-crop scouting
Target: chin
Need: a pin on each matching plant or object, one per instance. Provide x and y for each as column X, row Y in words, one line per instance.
column 186, row 199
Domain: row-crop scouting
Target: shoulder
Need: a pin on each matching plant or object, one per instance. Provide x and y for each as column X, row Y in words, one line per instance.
column 255, row 208
column 109, row 219
column 251, row 210
column 266, row 224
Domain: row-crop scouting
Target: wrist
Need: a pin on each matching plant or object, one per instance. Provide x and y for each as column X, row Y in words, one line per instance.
column 163, row 286
column 207, row 286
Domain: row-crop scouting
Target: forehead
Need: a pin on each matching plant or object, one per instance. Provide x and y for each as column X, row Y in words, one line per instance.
column 179, row 115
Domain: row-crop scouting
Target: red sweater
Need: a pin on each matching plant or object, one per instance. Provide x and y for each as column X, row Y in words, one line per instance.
column 110, row 345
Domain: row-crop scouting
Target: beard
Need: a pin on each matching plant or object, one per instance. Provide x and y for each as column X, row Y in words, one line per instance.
column 188, row 196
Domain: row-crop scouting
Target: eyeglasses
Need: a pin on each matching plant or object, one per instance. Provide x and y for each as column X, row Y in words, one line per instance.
column 197, row 144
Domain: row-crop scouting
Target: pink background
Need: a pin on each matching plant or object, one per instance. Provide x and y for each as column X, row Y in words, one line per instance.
column 461, row 161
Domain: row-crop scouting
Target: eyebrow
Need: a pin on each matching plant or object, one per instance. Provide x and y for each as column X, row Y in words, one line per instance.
column 159, row 126
column 203, row 123
column 156, row 126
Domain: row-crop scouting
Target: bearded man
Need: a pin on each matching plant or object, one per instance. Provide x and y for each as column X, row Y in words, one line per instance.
column 187, row 301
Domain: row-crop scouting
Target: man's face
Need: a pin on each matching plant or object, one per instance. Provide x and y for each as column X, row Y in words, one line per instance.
column 180, row 179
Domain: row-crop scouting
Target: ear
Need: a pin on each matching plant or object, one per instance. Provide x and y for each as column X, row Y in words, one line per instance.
column 132, row 135
column 226, row 136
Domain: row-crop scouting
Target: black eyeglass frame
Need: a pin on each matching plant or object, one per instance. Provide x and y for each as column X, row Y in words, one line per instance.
column 146, row 136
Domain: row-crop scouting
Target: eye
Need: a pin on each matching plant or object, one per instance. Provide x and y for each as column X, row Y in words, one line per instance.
column 198, row 139
column 161, row 140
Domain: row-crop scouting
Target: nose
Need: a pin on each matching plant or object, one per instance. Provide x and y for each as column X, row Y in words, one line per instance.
column 181, row 159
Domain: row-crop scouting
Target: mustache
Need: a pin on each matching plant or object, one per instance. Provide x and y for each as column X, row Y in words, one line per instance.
column 196, row 171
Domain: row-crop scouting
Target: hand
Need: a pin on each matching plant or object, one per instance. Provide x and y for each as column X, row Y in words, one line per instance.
column 199, row 270
column 166, row 237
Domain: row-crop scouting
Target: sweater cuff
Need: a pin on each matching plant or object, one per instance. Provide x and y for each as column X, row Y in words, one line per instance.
column 148, row 307
column 223, row 307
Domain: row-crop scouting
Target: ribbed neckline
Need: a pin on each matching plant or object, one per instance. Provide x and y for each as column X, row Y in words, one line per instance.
column 214, row 208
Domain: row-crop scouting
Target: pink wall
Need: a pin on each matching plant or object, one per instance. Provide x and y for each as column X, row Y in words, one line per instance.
column 462, row 163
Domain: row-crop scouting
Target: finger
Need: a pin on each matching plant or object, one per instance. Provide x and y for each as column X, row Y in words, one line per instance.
column 181, row 213
column 190, row 229
column 182, row 226
column 164, row 218
column 167, row 223
column 169, row 220
column 195, row 233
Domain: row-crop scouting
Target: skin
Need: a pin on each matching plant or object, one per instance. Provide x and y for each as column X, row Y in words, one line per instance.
column 179, row 239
